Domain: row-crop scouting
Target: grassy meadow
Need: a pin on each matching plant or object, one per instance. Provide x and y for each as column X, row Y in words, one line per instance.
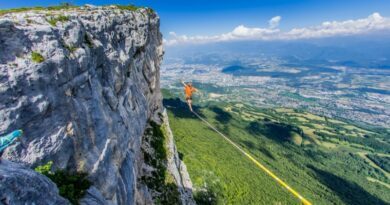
column 328, row 161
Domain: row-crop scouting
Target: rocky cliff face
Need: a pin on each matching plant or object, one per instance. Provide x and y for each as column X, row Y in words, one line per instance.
column 176, row 167
column 19, row 184
column 83, row 84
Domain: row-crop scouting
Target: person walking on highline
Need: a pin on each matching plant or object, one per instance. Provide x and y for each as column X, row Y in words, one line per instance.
column 188, row 91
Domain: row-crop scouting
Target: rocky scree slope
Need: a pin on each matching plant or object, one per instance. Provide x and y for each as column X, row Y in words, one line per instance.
column 83, row 84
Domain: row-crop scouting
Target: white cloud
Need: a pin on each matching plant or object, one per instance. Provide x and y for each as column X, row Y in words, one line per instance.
column 274, row 22
column 374, row 22
column 239, row 33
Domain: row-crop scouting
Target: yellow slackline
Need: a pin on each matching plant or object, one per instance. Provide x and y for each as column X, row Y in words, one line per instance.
column 262, row 167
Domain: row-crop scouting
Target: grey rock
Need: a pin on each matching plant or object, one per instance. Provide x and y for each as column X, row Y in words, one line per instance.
column 86, row 106
column 93, row 197
column 90, row 5
column 176, row 166
column 21, row 185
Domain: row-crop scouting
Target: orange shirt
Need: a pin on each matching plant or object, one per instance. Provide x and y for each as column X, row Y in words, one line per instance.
column 188, row 90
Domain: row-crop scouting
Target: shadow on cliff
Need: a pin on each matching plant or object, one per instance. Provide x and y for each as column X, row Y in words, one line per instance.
column 14, row 42
column 180, row 109
column 348, row 192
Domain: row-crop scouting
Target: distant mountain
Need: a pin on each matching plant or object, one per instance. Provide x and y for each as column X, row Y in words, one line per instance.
column 236, row 69
column 359, row 51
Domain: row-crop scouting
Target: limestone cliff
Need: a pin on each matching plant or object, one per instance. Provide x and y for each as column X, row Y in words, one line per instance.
column 83, row 84
column 20, row 184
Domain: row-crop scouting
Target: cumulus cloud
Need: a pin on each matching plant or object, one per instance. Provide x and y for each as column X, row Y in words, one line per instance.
column 374, row 22
column 274, row 22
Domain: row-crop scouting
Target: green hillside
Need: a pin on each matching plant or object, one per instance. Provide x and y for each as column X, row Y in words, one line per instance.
column 323, row 159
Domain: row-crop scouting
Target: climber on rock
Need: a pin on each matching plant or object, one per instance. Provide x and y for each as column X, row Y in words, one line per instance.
column 188, row 91
column 8, row 140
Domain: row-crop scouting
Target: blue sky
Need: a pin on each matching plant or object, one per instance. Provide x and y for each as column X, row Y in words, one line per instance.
column 206, row 17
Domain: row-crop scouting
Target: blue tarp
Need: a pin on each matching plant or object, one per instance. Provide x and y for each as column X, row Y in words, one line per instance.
column 7, row 140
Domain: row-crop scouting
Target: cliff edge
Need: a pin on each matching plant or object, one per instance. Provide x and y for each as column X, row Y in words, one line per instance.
column 83, row 84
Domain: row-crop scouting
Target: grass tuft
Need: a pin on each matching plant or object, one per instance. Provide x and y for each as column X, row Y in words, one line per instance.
column 129, row 7
column 37, row 57
column 70, row 48
column 53, row 20
column 38, row 8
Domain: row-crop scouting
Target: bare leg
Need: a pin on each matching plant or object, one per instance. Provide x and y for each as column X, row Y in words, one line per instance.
column 189, row 102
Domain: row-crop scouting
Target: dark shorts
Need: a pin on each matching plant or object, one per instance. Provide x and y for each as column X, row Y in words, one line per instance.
column 188, row 98
column 1, row 153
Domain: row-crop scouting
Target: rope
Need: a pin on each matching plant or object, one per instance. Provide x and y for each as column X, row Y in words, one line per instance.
column 261, row 166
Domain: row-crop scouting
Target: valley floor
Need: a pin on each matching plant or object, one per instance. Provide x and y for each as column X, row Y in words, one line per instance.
column 328, row 161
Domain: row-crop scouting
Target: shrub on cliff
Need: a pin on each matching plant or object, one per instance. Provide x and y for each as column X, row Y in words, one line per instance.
column 53, row 20
column 37, row 57
column 71, row 186
column 160, row 181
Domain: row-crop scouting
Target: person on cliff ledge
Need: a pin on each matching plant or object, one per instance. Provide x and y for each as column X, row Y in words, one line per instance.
column 9, row 139
column 188, row 91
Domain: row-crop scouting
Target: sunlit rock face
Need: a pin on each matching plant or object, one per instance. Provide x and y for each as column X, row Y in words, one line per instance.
column 83, row 84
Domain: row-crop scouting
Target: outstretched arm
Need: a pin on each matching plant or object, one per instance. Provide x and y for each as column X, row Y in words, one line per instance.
column 183, row 82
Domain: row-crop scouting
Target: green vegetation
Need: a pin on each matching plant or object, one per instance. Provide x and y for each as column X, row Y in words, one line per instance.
column 207, row 193
column 37, row 57
column 325, row 167
column 38, row 8
column 214, row 164
column 129, row 7
column 71, row 186
column 53, row 20
column 298, row 97
column 150, row 10
column 63, row 6
column 132, row 7
column 383, row 162
column 70, row 48
column 160, row 180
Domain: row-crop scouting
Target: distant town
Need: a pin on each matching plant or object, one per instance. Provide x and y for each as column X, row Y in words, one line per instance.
column 356, row 94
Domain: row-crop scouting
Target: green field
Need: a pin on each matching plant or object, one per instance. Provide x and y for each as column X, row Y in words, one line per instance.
column 305, row 150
